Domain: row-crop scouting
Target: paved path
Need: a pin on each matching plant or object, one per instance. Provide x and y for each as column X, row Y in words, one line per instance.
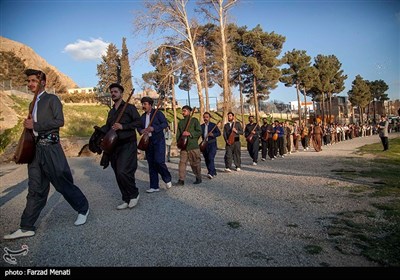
column 264, row 215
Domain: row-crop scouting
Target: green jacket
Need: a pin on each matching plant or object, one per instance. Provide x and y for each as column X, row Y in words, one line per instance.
column 195, row 132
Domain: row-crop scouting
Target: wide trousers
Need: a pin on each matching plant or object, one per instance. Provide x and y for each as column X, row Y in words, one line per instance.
column 232, row 152
column 50, row 166
column 209, row 157
column 155, row 156
column 124, row 163
column 253, row 148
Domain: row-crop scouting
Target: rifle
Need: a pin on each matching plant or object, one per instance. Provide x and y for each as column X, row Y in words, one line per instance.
column 145, row 139
column 182, row 142
column 204, row 143
column 109, row 141
column 26, row 148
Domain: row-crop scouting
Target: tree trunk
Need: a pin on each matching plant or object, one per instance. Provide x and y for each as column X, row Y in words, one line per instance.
column 298, row 102
column 196, row 66
column 323, row 108
column 227, row 105
column 330, row 107
column 174, row 103
column 206, row 87
column 374, row 112
column 305, row 105
column 255, row 98
column 241, row 100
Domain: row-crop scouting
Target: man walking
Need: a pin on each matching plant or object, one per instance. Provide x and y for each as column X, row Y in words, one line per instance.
column 124, row 156
column 49, row 164
column 210, row 132
column 189, row 128
column 155, row 153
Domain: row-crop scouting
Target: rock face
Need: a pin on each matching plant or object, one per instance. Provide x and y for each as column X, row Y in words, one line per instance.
column 32, row 59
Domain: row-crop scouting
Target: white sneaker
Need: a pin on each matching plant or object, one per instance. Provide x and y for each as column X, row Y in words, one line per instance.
column 151, row 190
column 238, row 169
column 209, row 176
column 133, row 202
column 254, row 163
column 227, row 170
column 81, row 219
column 263, row 159
column 19, row 234
column 169, row 185
column 122, row 206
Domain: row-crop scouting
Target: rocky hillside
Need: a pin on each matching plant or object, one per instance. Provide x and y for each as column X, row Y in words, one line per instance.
column 32, row 59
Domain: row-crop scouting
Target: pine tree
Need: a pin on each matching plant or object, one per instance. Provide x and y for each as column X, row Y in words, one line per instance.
column 360, row 95
column 109, row 70
column 126, row 75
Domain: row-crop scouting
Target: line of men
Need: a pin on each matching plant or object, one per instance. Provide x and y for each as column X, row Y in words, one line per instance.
column 49, row 164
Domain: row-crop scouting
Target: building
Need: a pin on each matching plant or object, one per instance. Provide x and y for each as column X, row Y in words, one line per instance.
column 294, row 106
column 81, row 90
column 340, row 110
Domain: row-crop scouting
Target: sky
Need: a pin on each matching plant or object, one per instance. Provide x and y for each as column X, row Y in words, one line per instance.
column 72, row 35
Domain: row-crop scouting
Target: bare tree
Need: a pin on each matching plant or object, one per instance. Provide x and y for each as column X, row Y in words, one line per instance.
column 171, row 15
column 221, row 8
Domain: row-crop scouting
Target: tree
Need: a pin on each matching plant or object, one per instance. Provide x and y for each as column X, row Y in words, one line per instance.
column 378, row 89
column 163, row 78
column 220, row 15
column 109, row 69
column 171, row 15
column 126, row 74
column 237, row 61
column 307, row 78
column 330, row 79
column 207, row 49
column 262, row 74
column 360, row 95
column 297, row 74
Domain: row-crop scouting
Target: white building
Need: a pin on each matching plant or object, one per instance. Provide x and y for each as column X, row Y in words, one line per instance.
column 81, row 90
column 294, row 106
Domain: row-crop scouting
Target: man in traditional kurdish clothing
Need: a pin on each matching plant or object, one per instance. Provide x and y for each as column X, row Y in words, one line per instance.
column 252, row 130
column 209, row 133
column 191, row 153
column 232, row 150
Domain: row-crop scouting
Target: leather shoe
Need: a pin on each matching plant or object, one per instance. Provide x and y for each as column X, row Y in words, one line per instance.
column 81, row 219
column 198, row 181
column 133, row 202
column 179, row 183
column 19, row 234
column 122, row 206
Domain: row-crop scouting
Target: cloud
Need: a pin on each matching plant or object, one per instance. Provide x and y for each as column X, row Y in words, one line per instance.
column 87, row 50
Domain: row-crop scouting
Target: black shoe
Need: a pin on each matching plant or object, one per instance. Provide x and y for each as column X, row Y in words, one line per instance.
column 198, row 181
column 179, row 183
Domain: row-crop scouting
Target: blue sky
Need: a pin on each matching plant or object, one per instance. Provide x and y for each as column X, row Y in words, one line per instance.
column 71, row 35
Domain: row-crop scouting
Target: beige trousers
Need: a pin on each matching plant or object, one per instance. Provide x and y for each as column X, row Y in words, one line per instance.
column 194, row 158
